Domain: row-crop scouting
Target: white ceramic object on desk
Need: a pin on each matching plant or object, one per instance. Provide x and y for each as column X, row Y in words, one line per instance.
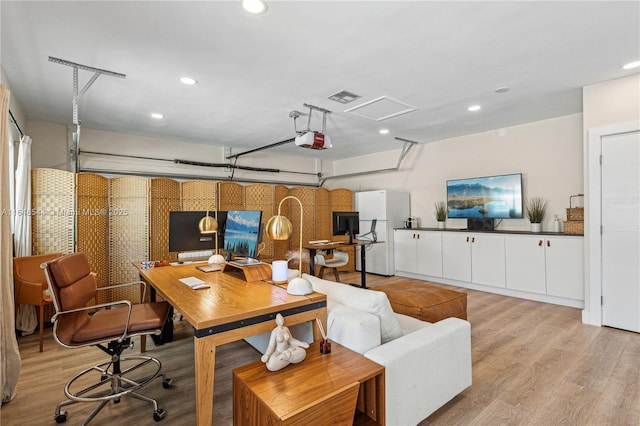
column 216, row 259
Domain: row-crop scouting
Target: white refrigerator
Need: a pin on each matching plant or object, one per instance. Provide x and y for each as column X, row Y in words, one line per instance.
column 390, row 209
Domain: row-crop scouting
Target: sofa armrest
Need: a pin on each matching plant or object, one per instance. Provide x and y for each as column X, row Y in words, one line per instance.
column 354, row 329
column 424, row 369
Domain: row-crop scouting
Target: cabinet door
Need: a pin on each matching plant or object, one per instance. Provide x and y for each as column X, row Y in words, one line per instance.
column 525, row 263
column 429, row 253
column 487, row 259
column 564, row 264
column 404, row 250
column 456, row 256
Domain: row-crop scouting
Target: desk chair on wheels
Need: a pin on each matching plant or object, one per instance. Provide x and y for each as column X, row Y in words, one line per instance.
column 110, row 327
column 339, row 259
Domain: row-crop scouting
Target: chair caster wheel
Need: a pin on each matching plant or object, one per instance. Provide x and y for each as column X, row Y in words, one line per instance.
column 61, row 417
column 116, row 400
column 159, row 415
column 167, row 383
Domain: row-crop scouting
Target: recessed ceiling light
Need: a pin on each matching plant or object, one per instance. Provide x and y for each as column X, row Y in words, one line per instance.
column 157, row 115
column 502, row 90
column 473, row 108
column 188, row 80
column 254, row 6
column 631, row 65
column 383, row 131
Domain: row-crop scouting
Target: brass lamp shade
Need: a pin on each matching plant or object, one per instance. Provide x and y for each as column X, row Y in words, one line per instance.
column 278, row 228
column 208, row 225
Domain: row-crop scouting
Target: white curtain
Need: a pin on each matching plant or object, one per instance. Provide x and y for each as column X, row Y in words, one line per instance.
column 10, row 361
column 27, row 319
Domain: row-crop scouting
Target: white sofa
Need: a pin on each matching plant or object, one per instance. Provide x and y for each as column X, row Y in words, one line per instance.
column 426, row 364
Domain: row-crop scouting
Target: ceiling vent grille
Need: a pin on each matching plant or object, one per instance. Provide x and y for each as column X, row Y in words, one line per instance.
column 381, row 108
column 344, row 97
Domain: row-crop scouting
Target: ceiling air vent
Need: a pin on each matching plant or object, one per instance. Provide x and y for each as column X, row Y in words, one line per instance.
column 344, row 97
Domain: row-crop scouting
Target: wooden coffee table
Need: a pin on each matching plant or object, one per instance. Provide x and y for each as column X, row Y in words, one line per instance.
column 322, row 389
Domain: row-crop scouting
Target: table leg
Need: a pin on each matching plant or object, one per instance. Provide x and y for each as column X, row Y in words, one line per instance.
column 312, row 262
column 205, row 365
column 363, row 267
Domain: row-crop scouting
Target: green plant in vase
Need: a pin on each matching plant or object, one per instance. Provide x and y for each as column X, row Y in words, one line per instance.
column 536, row 209
column 441, row 213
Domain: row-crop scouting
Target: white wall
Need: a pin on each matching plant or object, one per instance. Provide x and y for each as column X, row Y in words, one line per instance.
column 548, row 153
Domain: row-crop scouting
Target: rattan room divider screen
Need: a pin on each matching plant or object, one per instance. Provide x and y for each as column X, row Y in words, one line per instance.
column 125, row 219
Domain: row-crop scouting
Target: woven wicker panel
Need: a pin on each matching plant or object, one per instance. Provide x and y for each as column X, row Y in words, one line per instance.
column 52, row 200
column 342, row 200
column 165, row 197
column 230, row 196
column 323, row 214
column 307, row 197
column 261, row 197
column 280, row 248
column 197, row 195
column 92, row 223
column 128, row 232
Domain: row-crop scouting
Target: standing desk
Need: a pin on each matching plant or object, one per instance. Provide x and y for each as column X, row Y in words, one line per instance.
column 336, row 246
column 230, row 310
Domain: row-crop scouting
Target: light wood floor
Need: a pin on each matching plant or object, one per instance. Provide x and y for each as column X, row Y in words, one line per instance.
column 533, row 364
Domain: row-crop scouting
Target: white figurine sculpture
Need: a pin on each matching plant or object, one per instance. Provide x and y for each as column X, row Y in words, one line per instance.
column 283, row 348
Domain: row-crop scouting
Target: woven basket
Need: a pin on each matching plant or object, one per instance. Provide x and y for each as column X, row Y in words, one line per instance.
column 574, row 227
column 575, row 213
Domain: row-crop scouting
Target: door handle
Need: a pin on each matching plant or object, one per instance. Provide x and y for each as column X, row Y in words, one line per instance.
column 540, row 243
column 473, row 239
column 548, row 243
column 467, row 239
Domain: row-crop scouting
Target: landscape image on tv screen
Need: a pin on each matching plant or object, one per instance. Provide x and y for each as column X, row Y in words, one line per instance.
column 242, row 233
column 497, row 197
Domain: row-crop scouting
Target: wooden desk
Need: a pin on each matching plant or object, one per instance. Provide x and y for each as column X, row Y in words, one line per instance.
column 356, row 243
column 322, row 389
column 230, row 310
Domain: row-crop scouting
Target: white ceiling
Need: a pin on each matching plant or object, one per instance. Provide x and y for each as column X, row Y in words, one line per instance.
column 439, row 57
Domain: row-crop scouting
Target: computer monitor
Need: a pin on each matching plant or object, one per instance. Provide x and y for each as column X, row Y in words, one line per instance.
column 346, row 223
column 243, row 234
column 184, row 234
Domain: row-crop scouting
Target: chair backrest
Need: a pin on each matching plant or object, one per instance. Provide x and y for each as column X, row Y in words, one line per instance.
column 72, row 286
column 27, row 268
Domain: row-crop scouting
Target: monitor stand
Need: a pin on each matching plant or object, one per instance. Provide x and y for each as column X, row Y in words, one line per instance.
column 254, row 272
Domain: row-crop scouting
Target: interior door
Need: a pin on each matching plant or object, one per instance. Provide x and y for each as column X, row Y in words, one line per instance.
column 620, row 204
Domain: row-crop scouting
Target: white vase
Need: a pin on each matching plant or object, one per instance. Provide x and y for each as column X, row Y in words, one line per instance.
column 536, row 227
column 441, row 225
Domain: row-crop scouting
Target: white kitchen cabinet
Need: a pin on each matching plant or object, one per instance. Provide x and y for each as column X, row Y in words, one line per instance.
column 473, row 257
column 488, row 259
column 525, row 263
column 418, row 252
column 564, row 266
column 551, row 265
column 456, row 256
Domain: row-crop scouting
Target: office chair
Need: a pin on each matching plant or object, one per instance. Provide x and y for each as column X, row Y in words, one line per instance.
column 30, row 285
column 339, row 259
column 75, row 325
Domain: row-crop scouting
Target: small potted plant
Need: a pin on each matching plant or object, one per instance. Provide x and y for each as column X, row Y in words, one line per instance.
column 441, row 213
column 536, row 209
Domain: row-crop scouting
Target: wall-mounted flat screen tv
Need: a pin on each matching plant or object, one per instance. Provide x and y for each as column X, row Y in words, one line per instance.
column 492, row 197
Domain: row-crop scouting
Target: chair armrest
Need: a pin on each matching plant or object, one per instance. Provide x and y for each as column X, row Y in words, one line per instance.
column 352, row 328
column 99, row 306
column 144, row 290
column 425, row 369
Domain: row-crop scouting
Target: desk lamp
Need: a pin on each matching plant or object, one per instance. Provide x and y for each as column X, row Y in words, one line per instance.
column 209, row 225
column 279, row 228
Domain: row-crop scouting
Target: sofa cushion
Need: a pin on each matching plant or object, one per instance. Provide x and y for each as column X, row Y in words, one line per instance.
column 373, row 302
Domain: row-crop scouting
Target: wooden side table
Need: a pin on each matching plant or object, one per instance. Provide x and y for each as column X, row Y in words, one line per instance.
column 321, row 389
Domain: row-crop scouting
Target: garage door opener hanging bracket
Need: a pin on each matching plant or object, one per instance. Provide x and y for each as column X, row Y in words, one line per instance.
column 77, row 94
